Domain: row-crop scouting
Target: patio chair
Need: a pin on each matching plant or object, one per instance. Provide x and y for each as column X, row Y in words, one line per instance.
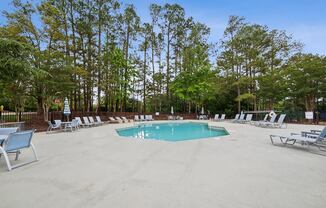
column 125, row 119
column 92, row 121
column 112, row 120
column 98, row 118
column 235, row 118
column 278, row 124
column 87, row 122
column 136, row 118
column 222, row 117
column 241, row 118
column 142, row 118
column 256, row 122
column 149, row 118
column 52, row 127
column 216, row 117
column 58, row 122
column 263, row 123
column 14, row 144
column 247, row 120
column 72, row 126
column 119, row 119
column 305, row 138
column 80, row 123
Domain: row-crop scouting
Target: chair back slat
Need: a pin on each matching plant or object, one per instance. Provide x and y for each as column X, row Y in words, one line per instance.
column 249, row 117
column 98, row 119
column 281, row 119
column 273, row 118
column 266, row 117
column 91, row 119
column 86, row 121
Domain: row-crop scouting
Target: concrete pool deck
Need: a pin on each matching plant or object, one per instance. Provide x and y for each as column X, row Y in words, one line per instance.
column 96, row 168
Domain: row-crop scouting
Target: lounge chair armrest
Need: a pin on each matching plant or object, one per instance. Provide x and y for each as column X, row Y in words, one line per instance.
column 309, row 134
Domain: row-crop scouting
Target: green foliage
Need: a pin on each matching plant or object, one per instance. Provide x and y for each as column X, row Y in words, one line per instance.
column 101, row 51
column 195, row 86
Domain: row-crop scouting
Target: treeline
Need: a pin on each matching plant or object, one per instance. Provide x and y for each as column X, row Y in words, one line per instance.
column 102, row 57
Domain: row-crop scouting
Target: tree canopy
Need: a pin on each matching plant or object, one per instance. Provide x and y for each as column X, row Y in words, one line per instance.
column 103, row 57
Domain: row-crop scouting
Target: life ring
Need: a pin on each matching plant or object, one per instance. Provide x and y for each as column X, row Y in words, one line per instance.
column 271, row 114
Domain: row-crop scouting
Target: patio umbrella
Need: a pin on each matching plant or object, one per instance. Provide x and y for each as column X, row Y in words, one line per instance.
column 202, row 111
column 66, row 110
column 172, row 112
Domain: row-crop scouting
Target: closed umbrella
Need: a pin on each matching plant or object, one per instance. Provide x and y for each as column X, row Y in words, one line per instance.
column 202, row 111
column 172, row 112
column 66, row 110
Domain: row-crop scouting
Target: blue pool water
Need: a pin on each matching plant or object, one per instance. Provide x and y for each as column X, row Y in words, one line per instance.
column 172, row 131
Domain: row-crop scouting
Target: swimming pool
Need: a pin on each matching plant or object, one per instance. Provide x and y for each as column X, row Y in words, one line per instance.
column 173, row 131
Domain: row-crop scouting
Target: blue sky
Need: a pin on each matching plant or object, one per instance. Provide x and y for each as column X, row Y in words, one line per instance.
column 304, row 19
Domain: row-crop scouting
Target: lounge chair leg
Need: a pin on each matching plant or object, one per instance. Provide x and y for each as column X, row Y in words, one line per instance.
column 271, row 137
column 34, row 151
column 17, row 155
column 6, row 158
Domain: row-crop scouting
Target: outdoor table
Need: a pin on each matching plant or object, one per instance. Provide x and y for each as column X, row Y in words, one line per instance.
column 65, row 124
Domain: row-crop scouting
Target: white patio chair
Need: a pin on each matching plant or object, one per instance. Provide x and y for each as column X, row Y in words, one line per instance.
column 92, row 121
column 98, row 118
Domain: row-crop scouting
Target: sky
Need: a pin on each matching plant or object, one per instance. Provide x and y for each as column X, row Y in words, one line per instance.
column 304, row 19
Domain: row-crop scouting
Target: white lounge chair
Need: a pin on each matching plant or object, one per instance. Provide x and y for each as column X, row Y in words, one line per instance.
column 92, row 121
column 216, row 117
column 58, row 123
column 80, row 123
column 142, row 118
column 264, row 123
column 112, row 120
column 136, row 118
column 149, row 118
column 235, row 118
column 256, row 122
column 119, row 119
column 52, row 127
column 125, row 119
column 98, row 118
column 87, row 122
column 278, row 124
column 241, row 118
column 305, row 138
column 222, row 117
column 73, row 126
column 16, row 142
column 247, row 120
